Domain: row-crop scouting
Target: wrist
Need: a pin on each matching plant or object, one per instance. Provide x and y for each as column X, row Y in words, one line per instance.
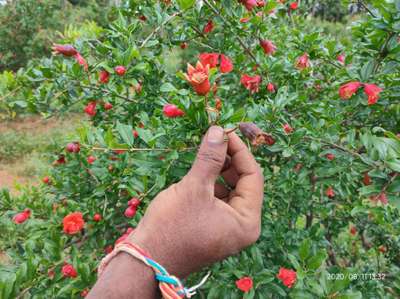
column 126, row 277
column 160, row 249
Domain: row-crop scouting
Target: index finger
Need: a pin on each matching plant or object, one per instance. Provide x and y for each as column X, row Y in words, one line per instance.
column 249, row 191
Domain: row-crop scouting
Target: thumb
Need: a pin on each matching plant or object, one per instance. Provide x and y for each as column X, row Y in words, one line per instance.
column 210, row 157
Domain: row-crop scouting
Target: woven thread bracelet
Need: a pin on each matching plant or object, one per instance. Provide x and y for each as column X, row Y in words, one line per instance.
column 170, row 286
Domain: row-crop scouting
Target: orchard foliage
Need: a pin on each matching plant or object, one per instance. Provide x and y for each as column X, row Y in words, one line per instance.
column 331, row 160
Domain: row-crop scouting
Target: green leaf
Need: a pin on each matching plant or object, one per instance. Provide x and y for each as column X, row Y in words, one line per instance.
column 185, row 4
column 125, row 131
column 351, row 295
column 249, row 295
column 167, row 87
column 367, row 70
column 316, row 261
column 304, row 249
column 394, row 164
column 294, row 261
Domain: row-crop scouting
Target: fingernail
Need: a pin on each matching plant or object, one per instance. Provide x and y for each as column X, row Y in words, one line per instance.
column 215, row 135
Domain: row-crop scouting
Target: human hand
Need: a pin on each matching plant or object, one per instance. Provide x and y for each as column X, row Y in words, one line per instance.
column 197, row 221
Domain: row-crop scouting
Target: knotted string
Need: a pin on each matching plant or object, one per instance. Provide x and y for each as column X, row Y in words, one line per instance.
column 170, row 286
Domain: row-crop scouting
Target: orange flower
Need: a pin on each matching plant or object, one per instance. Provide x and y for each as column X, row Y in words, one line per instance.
column 73, row 223
column 347, row 90
column 372, row 91
column 198, row 78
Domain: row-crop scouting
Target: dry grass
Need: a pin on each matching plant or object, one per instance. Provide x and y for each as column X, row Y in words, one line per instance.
column 25, row 145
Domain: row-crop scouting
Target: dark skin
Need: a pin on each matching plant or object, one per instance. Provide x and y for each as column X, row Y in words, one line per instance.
column 193, row 223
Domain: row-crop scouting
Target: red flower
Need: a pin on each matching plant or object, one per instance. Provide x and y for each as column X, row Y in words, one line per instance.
column 66, row 50
column 22, row 217
column 97, row 217
column 268, row 46
column 81, row 61
column 46, row 180
column 210, row 59
column 69, row 271
column 51, row 273
column 90, row 108
column 382, row 198
column 251, row 83
column 367, row 179
column 183, row 45
column 138, row 88
column 353, row 230
column 330, row 192
column 130, row 212
column 244, row 284
column 287, row 276
column 249, row 4
column 218, row 104
column 260, row 3
column 73, row 147
column 372, row 91
column 382, row 249
column 330, row 156
column 171, row 111
column 298, row 167
column 198, row 78
column 347, row 90
column 134, row 202
column 73, row 223
column 120, row 70
column 84, row 293
column 226, row 65
column 244, row 20
column 271, row 87
column 294, row 5
column 208, row 27
column 341, row 58
column 104, row 77
column 287, row 128
column 143, row 18
column 302, row 62
column 91, row 159
column 108, row 106
column 60, row 160
column 135, row 133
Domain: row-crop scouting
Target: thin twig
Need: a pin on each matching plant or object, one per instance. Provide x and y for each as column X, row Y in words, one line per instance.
column 337, row 146
column 159, row 28
column 104, row 149
column 10, row 93
column 366, row 8
column 389, row 182
column 107, row 91
column 228, row 24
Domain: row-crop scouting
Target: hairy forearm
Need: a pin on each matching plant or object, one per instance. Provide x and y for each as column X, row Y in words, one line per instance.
column 125, row 278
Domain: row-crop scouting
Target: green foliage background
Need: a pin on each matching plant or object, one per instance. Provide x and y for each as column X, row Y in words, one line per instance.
column 303, row 229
